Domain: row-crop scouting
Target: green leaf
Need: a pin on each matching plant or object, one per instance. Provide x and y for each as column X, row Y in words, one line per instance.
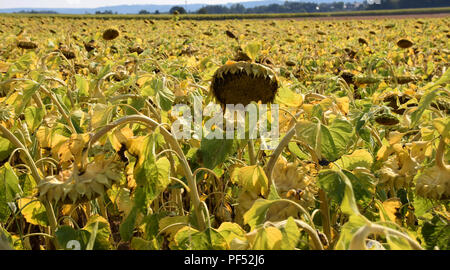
column 34, row 117
column 288, row 97
column 122, row 198
column 138, row 103
column 359, row 158
column 230, row 231
column 348, row 230
column 148, row 91
column 69, row 238
column 99, row 115
column 348, row 205
column 442, row 125
column 273, row 193
column 339, row 188
column 6, row 147
column 138, row 243
column 335, row 139
column 363, row 184
column 99, row 226
column 29, row 88
column 437, row 233
column 424, row 103
column 421, row 206
column 293, row 147
column 215, row 151
column 150, row 174
column 4, row 207
column 210, row 239
column 330, row 141
column 256, row 215
column 253, row 49
column 6, row 241
column 267, row 238
column 10, row 190
column 308, row 132
column 164, row 96
column 333, row 184
column 291, row 235
column 105, row 70
column 127, row 226
column 252, row 178
column 82, row 86
column 34, row 213
column 397, row 243
column 445, row 79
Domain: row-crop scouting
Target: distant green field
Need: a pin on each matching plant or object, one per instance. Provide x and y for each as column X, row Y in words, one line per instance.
column 247, row 16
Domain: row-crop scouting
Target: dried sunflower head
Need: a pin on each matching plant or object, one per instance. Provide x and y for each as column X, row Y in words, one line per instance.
column 404, row 43
column 434, row 183
column 26, row 45
column 387, row 119
column 71, row 186
column 293, row 181
column 90, row 45
column 136, row 49
column 110, row 34
column 121, row 73
column 243, row 82
column 399, row 169
column 6, row 112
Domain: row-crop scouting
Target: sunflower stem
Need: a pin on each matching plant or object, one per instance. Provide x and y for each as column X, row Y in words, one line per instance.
column 440, row 154
column 274, row 157
column 251, row 152
column 325, row 212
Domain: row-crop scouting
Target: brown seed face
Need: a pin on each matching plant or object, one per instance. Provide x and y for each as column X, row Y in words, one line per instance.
column 362, row 41
column 242, row 83
column 387, row 120
column 90, row 45
column 110, row 34
column 230, row 34
column 404, row 43
column 26, row 45
column 136, row 49
column 68, row 54
column 290, row 63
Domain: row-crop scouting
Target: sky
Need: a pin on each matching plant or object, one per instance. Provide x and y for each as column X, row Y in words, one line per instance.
column 101, row 3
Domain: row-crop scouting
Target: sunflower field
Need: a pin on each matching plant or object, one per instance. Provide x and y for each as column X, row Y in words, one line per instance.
column 89, row 159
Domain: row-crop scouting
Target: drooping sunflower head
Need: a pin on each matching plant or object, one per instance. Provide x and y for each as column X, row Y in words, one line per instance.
column 404, row 43
column 434, row 183
column 6, row 112
column 243, row 82
column 387, row 119
column 26, row 45
column 71, row 186
column 110, row 34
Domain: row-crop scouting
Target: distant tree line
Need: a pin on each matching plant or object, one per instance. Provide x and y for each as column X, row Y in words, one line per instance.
column 286, row 7
column 302, row 7
column 37, row 11
column 106, row 12
column 292, row 7
column 398, row 4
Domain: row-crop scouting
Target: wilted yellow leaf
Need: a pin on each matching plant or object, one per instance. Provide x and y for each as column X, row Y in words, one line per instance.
column 392, row 207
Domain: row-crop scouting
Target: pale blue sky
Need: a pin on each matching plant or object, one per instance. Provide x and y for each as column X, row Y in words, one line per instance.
column 99, row 3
